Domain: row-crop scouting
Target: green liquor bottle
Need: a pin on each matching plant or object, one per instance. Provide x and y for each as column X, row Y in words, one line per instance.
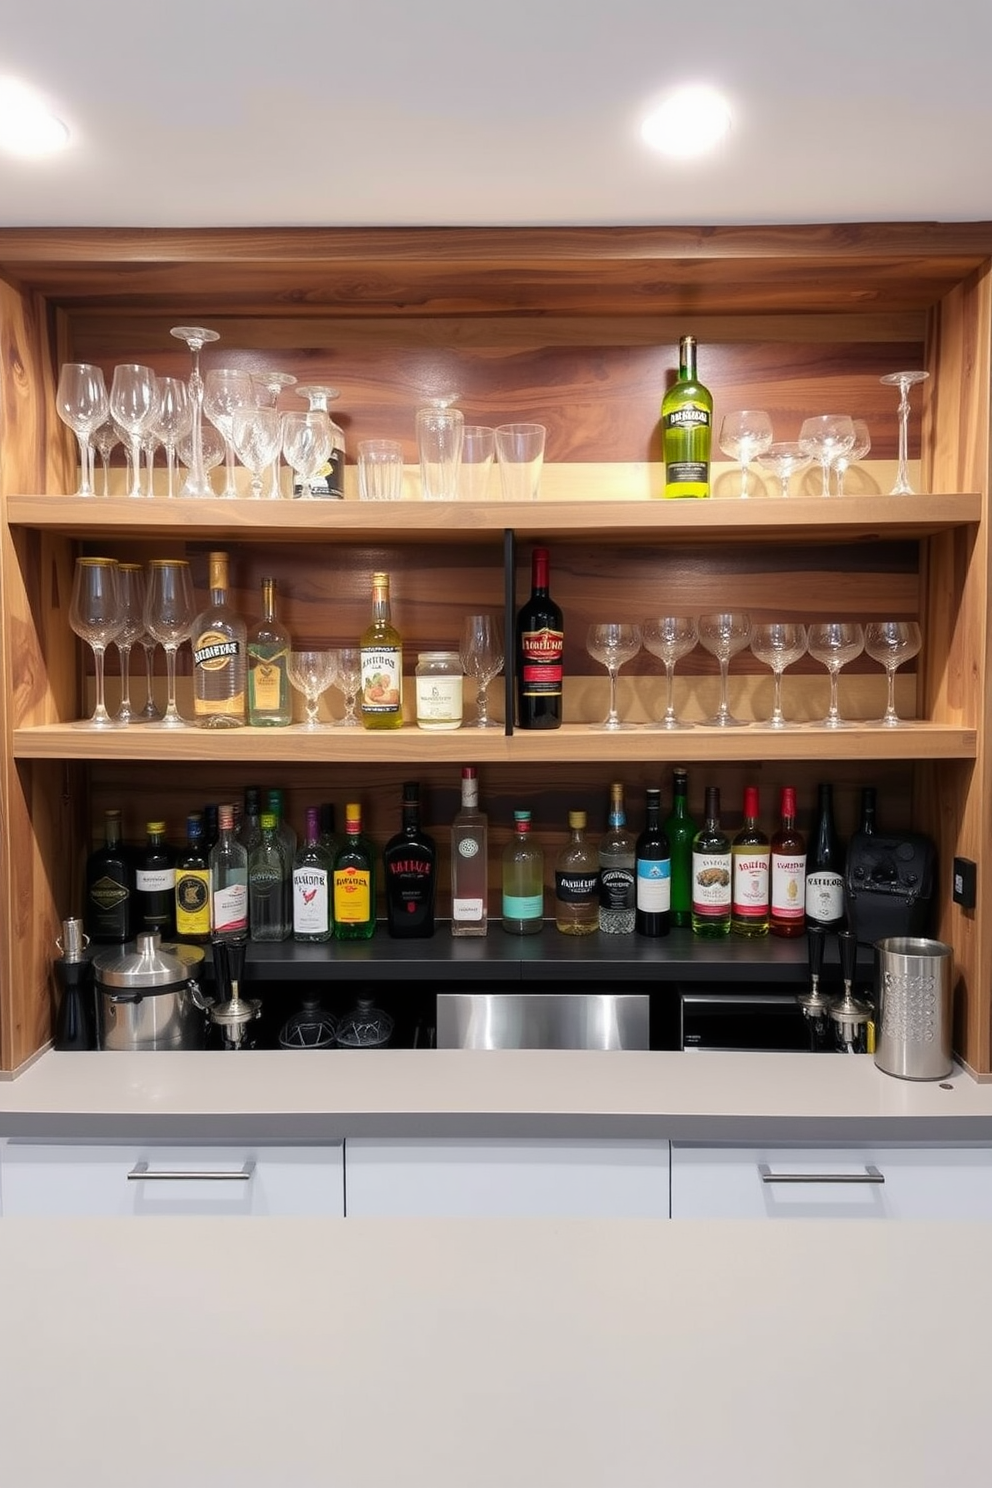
column 680, row 829
column 686, row 420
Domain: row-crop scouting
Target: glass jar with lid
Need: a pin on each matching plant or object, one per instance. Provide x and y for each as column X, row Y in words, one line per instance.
column 439, row 690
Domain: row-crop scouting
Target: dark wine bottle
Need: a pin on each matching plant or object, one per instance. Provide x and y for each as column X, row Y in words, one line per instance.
column 653, row 869
column 108, row 901
column 868, row 810
column 155, row 886
column 824, row 867
column 680, row 829
column 409, row 863
column 539, row 645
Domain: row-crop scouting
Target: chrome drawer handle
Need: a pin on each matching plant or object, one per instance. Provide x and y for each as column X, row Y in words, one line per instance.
column 870, row 1175
column 141, row 1173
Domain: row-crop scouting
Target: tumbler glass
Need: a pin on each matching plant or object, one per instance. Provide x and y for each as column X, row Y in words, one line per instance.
column 380, row 470
column 520, row 453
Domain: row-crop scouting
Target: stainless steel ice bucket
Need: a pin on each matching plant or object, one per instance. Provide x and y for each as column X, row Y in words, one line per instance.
column 913, row 994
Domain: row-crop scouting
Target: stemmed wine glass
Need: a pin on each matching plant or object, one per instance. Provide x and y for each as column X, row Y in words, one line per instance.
column 170, row 610
column 106, row 438
column 226, row 389
column 903, row 381
column 349, row 680
column 312, row 673
column 95, row 615
column 892, row 642
column 835, row 643
column 670, row 637
column 744, row 435
column 196, row 337
column 778, row 643
column 256, row 434
column 724, row 635
column 307, row 444
column 131, row 582
column 211, row 455
column 784, row 460
column 151, row 712
column 82, row 404
column 825, row 438
column 612, row 643
column 482, row 656
column 273, row 384
column 858, row 450
column 134, row 404
column 172, row 422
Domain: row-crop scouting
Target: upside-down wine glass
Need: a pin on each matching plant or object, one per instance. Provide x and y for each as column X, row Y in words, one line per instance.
column 783, row 460
column 307, row 445
column 835, row 643
column 170, row 610
column 482, row 657
column 858, row 450
column 892, row 642
column 349, row 680
column 95, row 615
column 670, row 637
column 256, row 434
column 613, row 643
column 196, row 337
column 82, row 404
column 106, row 438
column 172, row 423
column 903, row 381
column 778, row 643
column 131, row 582
column 318, row 396
column 134, row 404
column 826, row 437
column 745, row 434
column 273, row 384
column 226, row 389
column 724, row 635
column 312, row 673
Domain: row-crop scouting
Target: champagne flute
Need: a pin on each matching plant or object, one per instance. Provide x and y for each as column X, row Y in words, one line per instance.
column 482, row 657
column 196, row 337
column 778, row 643
column 82, row 404
column 670, row 637
column 835, row 643
column 612, row 643
column 312, row 673
column 892, row 642
column 784, row 460
column 858, row 450
column 95, row 615
column 825, row 438
column 744, row 435
column 256, row 434
column 349, row 680
column 172, row 421
column 273, row 384
column 170, row 610
column 903, row 381
column 131, row 582
column 106, row 438
column 134, row 403
column 307, row 444
column 224, row 390
column 724, row 635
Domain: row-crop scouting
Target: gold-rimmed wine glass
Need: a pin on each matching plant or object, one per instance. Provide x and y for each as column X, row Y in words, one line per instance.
column 170, row 609
column 723, row 635
column 778, row 643
column 835, row 643
column 95, row 616
column 670, row 637
column 612, row 643
column 892, row 642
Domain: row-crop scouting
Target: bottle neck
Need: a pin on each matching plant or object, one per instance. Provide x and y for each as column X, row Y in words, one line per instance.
column 680, row 800
column 539, row 572
column 652, row 814
column 112, row 835
column 268, row 601
column 470, row 794
column 687, row 359
column 313, row 828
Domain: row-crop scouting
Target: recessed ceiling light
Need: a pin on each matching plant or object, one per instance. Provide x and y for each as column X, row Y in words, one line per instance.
column 690, row 122
column 27, row 125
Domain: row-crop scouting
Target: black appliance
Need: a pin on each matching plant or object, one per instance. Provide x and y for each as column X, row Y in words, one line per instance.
column 760, row 1020
column 888, row 885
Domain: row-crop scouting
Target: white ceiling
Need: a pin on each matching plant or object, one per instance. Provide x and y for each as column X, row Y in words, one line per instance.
column 516, row 112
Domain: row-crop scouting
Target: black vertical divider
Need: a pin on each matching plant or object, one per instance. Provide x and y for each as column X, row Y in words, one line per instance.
column 509, row 624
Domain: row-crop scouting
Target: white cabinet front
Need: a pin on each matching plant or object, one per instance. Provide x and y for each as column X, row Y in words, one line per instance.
column 68, row 1178
column 831, row 1182
column 476, row 1177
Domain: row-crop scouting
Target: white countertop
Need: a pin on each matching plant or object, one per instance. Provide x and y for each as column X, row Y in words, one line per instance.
column 335, row 1093
column 244, row 1353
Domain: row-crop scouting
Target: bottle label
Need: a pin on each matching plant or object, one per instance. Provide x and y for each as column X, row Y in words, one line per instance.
column 467, row 911
column 328, row 483
column 151, row 880
column 750, row 887
column 654, row 885
column 107, row 893
column 825, row 897
column 576, row 888
column 616, row 888
column 788, row 886
column 382, row 680
column 311, row 901
column 352, row 896
column 439, row 701
column 523, row 906
column 214, row 651
column 265, row 681
column 540, row 662
column 193, row 901
column 230, row 907
column 711, row 884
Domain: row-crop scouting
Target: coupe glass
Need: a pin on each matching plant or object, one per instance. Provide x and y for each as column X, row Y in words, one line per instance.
column 612, row 643
column 196, row 482
column 784, row 460
column 131, row 583
column 95, row 615
column 307, row 443
column 724, row 635
column 835, row 643
column 744, row 435
column 226, row 389
column 106, row 438
column 825, row 438
column 172, row 422
column 778, row 644
column 170, row 609
column 82, row 404
column 482, row 657
column 892, row 642
column 312, row 673
column 903, row 381
column 134, row 404
column 670, row 637
column 256, row 434
column 858, row 450
column 273, row 384
column 349, row 680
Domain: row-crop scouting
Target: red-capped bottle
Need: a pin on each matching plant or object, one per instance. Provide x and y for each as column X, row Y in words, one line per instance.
column 788, row 876
column 539, row 646
column 750, row 859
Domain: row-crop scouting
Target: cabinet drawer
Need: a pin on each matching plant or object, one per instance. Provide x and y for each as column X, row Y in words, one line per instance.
column 456, row 1176
column 831, row 1182
column 68, row 1178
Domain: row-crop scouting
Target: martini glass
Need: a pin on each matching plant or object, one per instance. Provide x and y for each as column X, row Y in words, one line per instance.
column 892, row 642
column 670, row 637
column 724, row 635
column 272, row 384
column 835, row 643
column 783, row 460
column 903, row 381
column 196, row 337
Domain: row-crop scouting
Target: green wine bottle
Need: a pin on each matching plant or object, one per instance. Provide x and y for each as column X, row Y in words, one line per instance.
column 686, row 420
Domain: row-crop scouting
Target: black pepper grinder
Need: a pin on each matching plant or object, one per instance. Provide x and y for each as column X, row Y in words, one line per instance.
column 850, row 1016
column 815, row 1006
column 75, row 1024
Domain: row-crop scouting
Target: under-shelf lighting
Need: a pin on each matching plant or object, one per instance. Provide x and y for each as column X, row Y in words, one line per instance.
column 690, row 122
column 27, row 125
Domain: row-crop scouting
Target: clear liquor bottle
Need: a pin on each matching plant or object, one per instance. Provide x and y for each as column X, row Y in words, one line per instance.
column 523, row 880
column 617, row 870
column 381, row 704
column 751, row 857
column 577, row 881
column 711, row 873
column 228, row 878
column 788, row 876
column 686, row 428
column 155, row 884
column 312, row 896
column 653, row 870
column 409, row 865
column 269, row 701
column 354, row 881
column 469, row 861
column 219, row 656
column 268, row 872
column 680, row 829
column 193, row 885
column 108, row 900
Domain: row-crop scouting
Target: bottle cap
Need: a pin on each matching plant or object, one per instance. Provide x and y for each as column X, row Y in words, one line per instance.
column 156, row 826
column 268, row 821
column 788, row 800
column 750, row 800
column 576, row 819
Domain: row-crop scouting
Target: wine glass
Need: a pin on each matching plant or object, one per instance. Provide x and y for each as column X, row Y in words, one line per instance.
column 835, row 643
column 318, row 396
column 312, row 673
column 196, row 337
column 612, row 644
column 482, row 656
column 106, row 438
column 273, row 384
column 349, row 679
column 131, row 582
column 96, row 617
column 784, row 460
column 224, row 390
column 307, row 444
column 892, row 642
column 212, row 451
column 134, row 404
column 82, row 404
column 825, row 438
column 172, row 421
column 149, row 446
column 724, row 635
column 256, row 434
column 670, row 637
column 778, row 643
column 903, row 381
column 170, row 610
column 858, row 450
column 744, row 435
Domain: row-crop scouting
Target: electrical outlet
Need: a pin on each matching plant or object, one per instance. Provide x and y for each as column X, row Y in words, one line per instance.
column 965, row 883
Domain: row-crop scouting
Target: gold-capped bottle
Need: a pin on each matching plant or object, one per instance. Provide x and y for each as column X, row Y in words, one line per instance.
column 382, row 663
column 686, row 429
column 219, row 656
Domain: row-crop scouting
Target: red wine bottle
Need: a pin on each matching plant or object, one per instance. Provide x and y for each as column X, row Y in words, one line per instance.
column 539, row 644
